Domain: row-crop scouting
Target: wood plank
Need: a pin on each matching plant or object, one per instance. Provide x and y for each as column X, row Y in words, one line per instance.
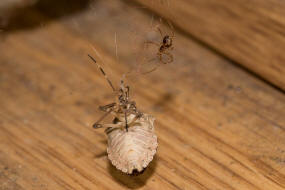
column 250, row 33
column 218, row 126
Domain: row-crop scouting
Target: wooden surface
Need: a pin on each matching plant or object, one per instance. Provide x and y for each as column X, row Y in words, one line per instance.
column 219, row 127
column 250, row 33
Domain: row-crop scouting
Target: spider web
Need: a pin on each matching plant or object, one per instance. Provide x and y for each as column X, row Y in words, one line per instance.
column 123, row 38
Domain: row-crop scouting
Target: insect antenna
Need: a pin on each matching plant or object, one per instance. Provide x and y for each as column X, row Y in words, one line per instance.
column 102, row 71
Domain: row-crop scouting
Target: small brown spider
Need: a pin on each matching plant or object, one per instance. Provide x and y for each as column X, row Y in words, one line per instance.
column 164, row 47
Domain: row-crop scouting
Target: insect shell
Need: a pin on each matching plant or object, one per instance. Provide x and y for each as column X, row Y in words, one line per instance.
column 132, row 142
column 131, row 151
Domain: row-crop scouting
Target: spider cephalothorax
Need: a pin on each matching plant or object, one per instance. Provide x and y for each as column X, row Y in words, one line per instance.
column 166, row 43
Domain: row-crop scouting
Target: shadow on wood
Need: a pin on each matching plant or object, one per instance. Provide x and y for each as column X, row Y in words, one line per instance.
column 41, row 13
column 130, row 181
column 165, row 100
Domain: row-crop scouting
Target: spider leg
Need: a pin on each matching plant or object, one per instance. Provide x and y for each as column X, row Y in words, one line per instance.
column 151, row 70
column 151, row 42
column 160, row 32
column 154, row 68
column 170, row 57
column 172, row 28
column 159, row 54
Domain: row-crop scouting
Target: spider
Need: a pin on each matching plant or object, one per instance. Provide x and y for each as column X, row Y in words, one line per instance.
column 165, row 45
column 124, row 110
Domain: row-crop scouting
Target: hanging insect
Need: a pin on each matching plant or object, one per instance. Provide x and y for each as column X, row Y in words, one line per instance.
column 132, row 142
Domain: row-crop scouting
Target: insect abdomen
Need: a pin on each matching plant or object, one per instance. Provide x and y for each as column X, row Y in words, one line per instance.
column 135, row 149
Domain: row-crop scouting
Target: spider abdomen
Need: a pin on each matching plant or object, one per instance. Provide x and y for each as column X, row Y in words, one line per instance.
column 134, row 149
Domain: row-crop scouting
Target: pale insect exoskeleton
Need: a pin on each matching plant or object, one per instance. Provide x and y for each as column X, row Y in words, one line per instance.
column 132, row 142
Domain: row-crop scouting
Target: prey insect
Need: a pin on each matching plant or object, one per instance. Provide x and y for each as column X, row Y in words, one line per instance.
column 124, row 106
column 132, row 142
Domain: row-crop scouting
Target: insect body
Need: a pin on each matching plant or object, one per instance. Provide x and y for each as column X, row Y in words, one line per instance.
column 131, row 151
column 132, row 142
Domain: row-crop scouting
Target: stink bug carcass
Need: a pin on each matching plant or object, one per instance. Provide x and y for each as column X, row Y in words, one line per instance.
column 132, row 142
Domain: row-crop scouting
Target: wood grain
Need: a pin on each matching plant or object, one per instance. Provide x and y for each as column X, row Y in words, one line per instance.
column 251, row 33
column 218, row 127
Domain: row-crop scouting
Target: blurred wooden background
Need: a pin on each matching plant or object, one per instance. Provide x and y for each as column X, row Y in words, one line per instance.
column 219, row 107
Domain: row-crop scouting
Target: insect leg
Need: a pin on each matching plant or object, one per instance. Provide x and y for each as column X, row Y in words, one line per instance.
column 108, row 106
column 111, row 108
column 107, row 126
column 127, row 92
column 97, row 123
column 137, row 114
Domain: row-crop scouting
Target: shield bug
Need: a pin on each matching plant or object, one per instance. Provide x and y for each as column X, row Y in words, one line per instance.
column 132, row 142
